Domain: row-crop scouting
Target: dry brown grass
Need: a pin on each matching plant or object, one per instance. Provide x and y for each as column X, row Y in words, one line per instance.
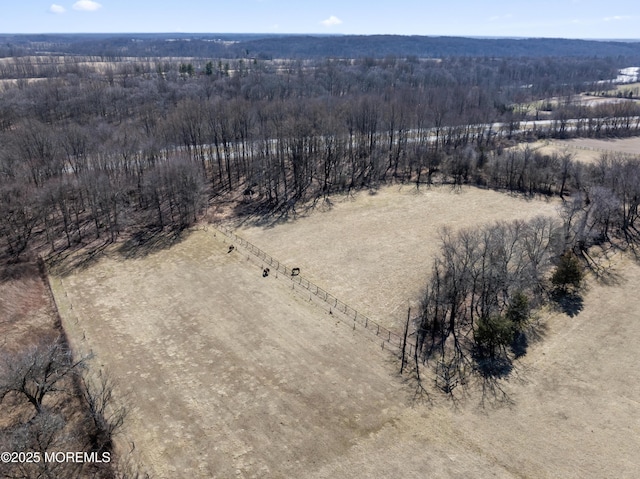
column 230, row 374
column 226, row 370
column 28, row 318
column 26, row 309
column 375, row 251
column 587, row 150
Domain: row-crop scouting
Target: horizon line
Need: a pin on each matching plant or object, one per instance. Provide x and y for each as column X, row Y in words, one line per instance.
column 318, row 34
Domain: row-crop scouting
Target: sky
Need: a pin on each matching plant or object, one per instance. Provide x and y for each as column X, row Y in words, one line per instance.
column 588, row 19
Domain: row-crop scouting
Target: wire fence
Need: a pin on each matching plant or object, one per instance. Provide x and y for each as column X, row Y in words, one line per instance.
column 388, row 339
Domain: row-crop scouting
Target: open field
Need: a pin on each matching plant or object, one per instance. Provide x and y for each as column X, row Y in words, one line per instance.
column 587, row 150
column 375, row 252
column 229, row 374
column 594, row 100
column 572, row 410
column 542, row 109
column 626, row 88
column 118, row 171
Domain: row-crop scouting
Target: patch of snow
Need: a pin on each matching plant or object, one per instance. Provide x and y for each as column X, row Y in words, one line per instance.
column 628, row 75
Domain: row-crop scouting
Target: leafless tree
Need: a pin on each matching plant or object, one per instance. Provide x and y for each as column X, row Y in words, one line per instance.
column 104, row 414
column 38, row 371
column 475, row 284
column 20, row 215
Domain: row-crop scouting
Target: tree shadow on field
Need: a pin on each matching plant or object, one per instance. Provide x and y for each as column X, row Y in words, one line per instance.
column 137, row 245
column 268, row 214
column 145, row 242
column 414, row 380
column 65, row 262
column 633, row 245
column 598, row 260
column 252, row 212
column 536, row 332
column 491, row 374
column 569, row 302
column 493, row 393
column 24, row 269
column 498, row 368
column 520, row 344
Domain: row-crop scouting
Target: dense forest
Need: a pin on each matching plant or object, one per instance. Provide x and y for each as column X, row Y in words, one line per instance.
column 235, row 46
column 92, row 148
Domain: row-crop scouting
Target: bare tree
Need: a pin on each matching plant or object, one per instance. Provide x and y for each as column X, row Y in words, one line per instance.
column 479, row 291
column 44, row 434
column 38, row 372
column 105, row 416
column 20, row 215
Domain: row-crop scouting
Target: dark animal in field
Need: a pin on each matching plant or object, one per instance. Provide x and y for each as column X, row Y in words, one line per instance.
column 265, row 272
column 295, row 271
column 249, row 191
column 231, row 248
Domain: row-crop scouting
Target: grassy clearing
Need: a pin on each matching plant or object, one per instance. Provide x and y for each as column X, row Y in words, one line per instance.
column 375, row 251
column 230, row 374
column 587, row 150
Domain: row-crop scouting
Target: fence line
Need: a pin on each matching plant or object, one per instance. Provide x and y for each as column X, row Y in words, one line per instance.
column 389, row 339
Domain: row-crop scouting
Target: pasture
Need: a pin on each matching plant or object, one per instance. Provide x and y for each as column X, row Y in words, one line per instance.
column 227, row 373
column 375, row 251
column 588, row 150
column 231, row 374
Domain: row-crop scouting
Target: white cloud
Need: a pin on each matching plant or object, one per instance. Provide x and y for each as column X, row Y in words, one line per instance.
column 332, row 21
column 86, row 6
column 496, row 18
column 616, row 18
column 56, row 8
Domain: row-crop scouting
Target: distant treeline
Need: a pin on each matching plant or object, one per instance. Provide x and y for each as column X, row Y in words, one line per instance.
column 310, row 46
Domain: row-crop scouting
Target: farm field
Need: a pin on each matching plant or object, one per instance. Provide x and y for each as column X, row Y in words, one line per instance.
column 588, row 150
column 136, row 169
column 571, row 410
column 375, row 251
column 229, row 374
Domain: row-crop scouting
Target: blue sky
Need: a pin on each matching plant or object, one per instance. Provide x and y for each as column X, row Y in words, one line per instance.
column 618, row 19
